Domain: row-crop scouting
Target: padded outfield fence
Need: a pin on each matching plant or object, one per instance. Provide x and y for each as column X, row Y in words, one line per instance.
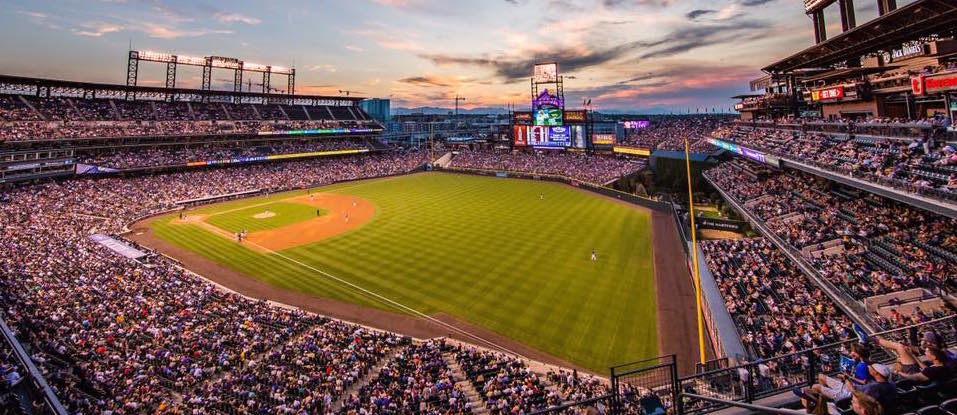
column 646, row 202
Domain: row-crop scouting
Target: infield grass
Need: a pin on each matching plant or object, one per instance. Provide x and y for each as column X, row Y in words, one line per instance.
column 485, row 250
column 285, row 213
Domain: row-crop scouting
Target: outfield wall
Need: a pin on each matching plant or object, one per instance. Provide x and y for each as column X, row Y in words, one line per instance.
column 645, row 202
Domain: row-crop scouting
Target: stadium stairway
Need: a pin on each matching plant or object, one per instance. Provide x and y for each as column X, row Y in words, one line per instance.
column 366, row 379
column 461, row 381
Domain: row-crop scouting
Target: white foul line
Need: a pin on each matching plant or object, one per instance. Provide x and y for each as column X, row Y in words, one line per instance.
column 389, row 301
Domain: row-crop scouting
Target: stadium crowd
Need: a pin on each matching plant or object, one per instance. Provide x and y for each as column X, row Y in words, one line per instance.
column 176, row 156
column 304, row 375
column 39, row 131
column 587, row 168
column 60, row 118
column 777, row 309
column 862, row 244
column 60, row 108
column 922, row 165
column 417, row 381
column 670, row 133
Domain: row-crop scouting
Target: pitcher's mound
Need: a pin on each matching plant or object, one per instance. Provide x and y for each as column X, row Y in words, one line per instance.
column 264, row 215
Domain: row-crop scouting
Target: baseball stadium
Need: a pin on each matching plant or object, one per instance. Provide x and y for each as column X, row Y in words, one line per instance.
column 214, row 237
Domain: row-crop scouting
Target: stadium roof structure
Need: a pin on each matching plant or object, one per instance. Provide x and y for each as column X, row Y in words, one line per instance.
column 43, row 87
column 845, row 72
column 920, row 18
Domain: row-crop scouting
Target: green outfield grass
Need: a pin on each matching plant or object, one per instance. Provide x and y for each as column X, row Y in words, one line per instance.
column 244, row 218
column 486, row 250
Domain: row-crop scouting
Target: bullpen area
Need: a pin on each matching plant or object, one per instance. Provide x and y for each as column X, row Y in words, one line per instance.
column 506, row 260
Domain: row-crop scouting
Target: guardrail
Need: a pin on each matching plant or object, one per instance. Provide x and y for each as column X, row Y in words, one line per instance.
column 853, row 308
column 768, row 377
column 50, row 399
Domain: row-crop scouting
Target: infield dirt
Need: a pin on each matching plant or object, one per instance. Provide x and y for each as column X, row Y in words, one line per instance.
column 345, row 213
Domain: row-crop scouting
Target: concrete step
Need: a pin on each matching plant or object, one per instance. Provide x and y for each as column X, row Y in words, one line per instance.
column 462, row 382
column 367, row 379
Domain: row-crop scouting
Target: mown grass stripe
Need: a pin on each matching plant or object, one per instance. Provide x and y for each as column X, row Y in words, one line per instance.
column 486, row 250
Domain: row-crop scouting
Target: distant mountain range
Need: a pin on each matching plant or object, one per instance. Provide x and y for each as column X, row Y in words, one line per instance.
column 501, row 110
column 440, row 111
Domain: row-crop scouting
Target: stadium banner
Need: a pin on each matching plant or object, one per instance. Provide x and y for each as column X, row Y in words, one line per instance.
column 907, row 52
column 578, row 136
column 240, row 160
column 634, row 125
column 747, row 153
column 828, row 94
column 939, row 83
column 522, row 118
column 520, row 135
column 545, row 73
column 632, row 151
column 37, row 165
column 917, row 85
column 322, row 131
column 603, row 139
column 720, row 224
column 574, row 117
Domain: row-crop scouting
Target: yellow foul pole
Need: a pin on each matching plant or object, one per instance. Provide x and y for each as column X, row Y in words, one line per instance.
column 694, row 252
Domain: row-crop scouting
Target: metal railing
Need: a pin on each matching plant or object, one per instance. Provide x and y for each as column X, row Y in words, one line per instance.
column 756, row 408
column 39, row 384
column 772, row 376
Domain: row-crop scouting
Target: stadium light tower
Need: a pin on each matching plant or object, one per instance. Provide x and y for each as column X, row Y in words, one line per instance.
column 694, row 251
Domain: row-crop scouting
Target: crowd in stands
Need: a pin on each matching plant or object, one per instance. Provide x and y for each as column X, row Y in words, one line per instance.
column 777, row 309
column 506, row 384
column 417, row 381
column 919, row 376
column 28, row 119
column 38, row 131
column 862, row 244
column 587, row 168
column 920, row 165
column 304, row 375
column 670, row 133
column 174, row 156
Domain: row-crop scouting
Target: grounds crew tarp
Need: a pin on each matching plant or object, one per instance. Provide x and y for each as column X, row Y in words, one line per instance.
column 117, row 246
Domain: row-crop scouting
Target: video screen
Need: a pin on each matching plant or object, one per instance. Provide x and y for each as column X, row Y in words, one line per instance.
column 551, row 117
column 543, row 136
column 545, row 72
column 636, row 124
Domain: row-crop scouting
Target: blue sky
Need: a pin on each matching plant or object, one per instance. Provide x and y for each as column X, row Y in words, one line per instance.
column 623, row 54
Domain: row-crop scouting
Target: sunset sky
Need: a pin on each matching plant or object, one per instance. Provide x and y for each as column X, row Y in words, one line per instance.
column 623, row 54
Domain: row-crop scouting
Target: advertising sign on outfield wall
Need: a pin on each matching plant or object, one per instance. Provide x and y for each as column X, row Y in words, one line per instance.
column 632, row 151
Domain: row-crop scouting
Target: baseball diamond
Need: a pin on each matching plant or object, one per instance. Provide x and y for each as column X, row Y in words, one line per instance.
column 484, row 250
